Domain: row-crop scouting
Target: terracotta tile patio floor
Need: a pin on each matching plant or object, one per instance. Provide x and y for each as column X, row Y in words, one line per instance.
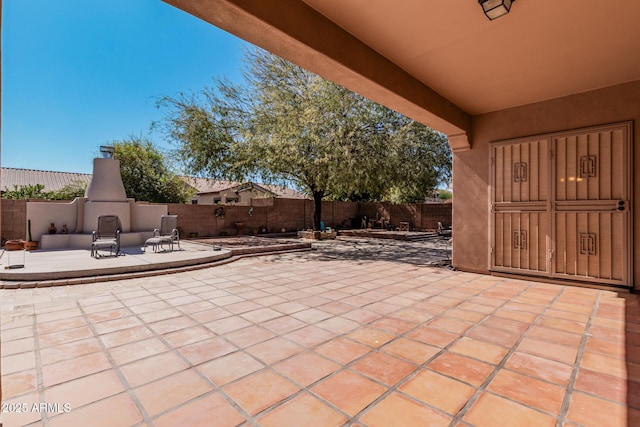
column 294, row 340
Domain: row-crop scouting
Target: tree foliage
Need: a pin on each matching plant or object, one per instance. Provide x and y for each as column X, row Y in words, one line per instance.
column 37, row 191
column 145, row 173
column 31, row 191
column 287, row 125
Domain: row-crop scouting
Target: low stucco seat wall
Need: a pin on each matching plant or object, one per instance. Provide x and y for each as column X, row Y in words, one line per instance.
column 83, row 241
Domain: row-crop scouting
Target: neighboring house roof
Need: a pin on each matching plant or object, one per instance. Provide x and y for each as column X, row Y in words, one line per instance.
column 52, row 181
column 208, row 186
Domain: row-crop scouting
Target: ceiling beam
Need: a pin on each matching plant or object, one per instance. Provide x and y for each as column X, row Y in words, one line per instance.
column 295, row 31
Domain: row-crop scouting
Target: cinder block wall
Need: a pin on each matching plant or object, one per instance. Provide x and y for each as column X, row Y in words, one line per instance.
column 269, row 214
column 14, row 219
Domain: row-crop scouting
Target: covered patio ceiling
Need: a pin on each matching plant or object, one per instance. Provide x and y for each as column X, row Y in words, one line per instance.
column 442, row 62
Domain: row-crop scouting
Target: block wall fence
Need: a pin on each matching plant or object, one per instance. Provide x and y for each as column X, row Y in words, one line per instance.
column 270, row 214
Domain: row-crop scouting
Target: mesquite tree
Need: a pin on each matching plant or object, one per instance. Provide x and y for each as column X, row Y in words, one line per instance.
column 287, row 125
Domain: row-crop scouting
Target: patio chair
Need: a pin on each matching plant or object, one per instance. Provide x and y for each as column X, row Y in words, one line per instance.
column 107, row 236
column 442, row 231
column 166, row 234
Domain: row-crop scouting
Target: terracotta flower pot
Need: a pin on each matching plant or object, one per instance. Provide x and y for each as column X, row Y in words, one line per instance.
column 13, row 245
column 30, row 245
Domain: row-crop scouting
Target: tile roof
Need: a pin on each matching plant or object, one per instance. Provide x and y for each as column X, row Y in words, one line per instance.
column 51, row 180
column 205, row 185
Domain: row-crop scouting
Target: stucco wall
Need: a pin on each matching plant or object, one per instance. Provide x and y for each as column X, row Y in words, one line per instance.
column 471, row 169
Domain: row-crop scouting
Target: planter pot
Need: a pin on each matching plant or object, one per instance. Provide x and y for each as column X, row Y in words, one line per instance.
column 13, row 245
column 30, row 245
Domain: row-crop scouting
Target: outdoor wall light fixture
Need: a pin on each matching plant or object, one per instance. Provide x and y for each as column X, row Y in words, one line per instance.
column 495, row 8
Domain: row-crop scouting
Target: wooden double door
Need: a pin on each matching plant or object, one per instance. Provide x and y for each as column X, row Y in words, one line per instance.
column 561, row 205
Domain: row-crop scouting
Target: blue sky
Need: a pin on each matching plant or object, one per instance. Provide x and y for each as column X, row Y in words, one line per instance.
column 77, row 74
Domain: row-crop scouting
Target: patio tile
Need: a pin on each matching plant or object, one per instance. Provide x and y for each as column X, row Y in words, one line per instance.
column 206, row 350
column 604, row 364
column 99, row 307
column 462, row 368
column 137, row 350
column 85, row 390
column 17, row 346
column 242, row 307
column 300, row 411
column 125, row 336
column 432, row 336
column 274, row 350
column 74, row 368
column 201, row 413
column 362, row 315
column 188, row 335
column 371, row 336
column 554, row 335
column 158, row 315
column 413, row 351
column 384, row 368
column 14, row 418
column 342, row 350
column 171, row 325
column 225, row 369
column 568, row 315
column 591, row 411
column 480, row 350
column 311, row 315
column 383, row 307
column 306, row 368
column 284, row 324
column 152, row 368
column 196, row 307
column 521, row 316
column 393, row 325
column 114, row 411
column 109, row 315
column 171, row 391
column 309, row 336
column 539, row 367
column 18, row 362
column 289, row 307
column 151, row 307
column 210, row 315
column 349, row 391
column 450, row 324
column 510, row 325
column 228, row 324
column 605, row 386
column 490, row 411
column 248, row 336
column 528, row 391
column 438, row 390
column 258, row 391
column 61, row 325
column 615, row 335
column 470, row 316
column 338, row 325
column 117, row 324
column 494, row 336
column 559, row 352
column 19, row 383
column 397, row 410
column 65, row 336
column 563, row 324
